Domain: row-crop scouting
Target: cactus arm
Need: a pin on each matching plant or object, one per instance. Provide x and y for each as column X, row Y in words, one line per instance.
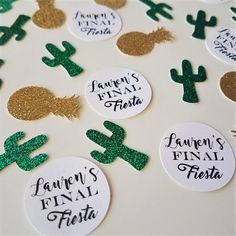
column 5, row 5
column 175, row 77
column 165, row 13
column 10, row 143
column 99, row 138
column 152, row 13
column 27, row 163
column 50, row 62
column 190, row 19
column 212, row 21
column 201, row 76
column 118, row 133
column 105, row 158
column 69, row 49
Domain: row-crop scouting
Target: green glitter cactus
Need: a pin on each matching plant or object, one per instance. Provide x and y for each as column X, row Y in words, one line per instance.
column 188, row 79
column 114, row 147
column 8, row 32
column 5, row 5
column 62, row 58
column 233, row 9
column 200, row 24
column 20, row 153
column 157, row 8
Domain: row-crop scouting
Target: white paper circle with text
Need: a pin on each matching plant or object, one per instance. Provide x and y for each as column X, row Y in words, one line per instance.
column 69, row 196
column 118, row 93
column 93, row 22
column 197, row 157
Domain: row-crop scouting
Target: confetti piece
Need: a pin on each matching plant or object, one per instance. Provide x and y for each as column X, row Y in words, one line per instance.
column 8, row 32
column 20, row 153
column 32, row 103
column 113, row 4
column 157, row 9
column 1, row 62
column 200, row 24
column 62, row 58
column 48, row 16
column 138, row 43
column 233, row 9
column 188, row 79
column 234, row 132
column 5, row 5
column 114, row 147
column 228, row 85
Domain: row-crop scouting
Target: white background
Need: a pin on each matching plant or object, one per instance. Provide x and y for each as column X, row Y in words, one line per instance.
column 146, row 202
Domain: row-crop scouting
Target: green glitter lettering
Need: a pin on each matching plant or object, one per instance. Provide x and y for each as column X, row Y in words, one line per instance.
column 188, row 79
column 157, row 9
column 233, row 9
column 62, row 58
column 200, row 24
column 114, row 147
column 15, row 29
column 20, row 153
column 5, row 5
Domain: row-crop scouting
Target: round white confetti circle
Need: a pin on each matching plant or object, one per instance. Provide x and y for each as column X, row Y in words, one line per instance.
column 197, row 157
column 69, row 196
column 118, row 93
column 92, row 22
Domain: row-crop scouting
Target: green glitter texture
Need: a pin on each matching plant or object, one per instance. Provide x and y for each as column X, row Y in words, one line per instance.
column 188, row 79
column 114, row 147
column 15, row 29
column 157, row 9
column 62, row 58
column 5, row 5
column 20, row 153
column 1, row 62
column 200, row 24
column 233, row 9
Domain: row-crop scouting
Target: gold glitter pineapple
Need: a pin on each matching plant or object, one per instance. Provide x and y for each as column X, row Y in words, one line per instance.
column 114, row 4
column 228, row 85
column 138, row 43
column 32, row 103
column 48, row 16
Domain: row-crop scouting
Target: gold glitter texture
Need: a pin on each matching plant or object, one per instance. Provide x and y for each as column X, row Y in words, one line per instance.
column 114, row 4
column 138, row 43
column 48, row 16
column 228, row 85
column 33, row 103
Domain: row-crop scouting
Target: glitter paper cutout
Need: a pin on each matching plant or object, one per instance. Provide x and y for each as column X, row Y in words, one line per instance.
column 32, row 103
column 8, row 32
column 114, row 147
column 233, row 9
column 62, row 58
column 5, row 5
column 48, row 16
column 188, row 79
column 21, row 153
column 200, row 24
column 1, row 62
column 138, row 43
column 234, row 132
column 228, row 85
column 113, row 4
column 157, row 8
